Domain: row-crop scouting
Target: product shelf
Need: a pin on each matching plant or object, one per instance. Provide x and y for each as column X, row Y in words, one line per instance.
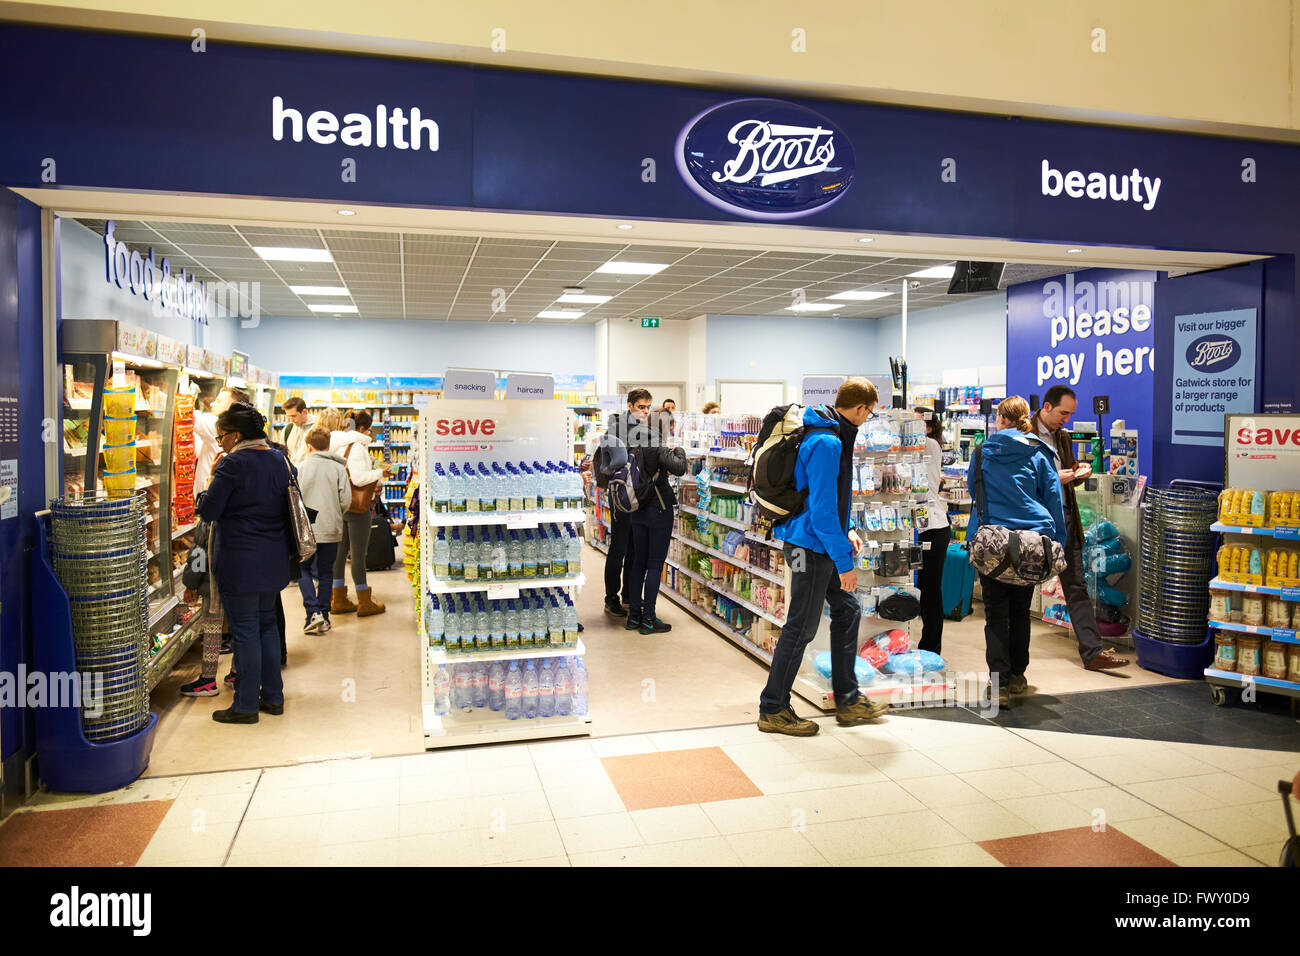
column 1281, row 533
column 1286, row 594
column 729, row 595
column 435, row 586
column 460, row 730
column 1223, row 678
column 729, row 522
column 1284, row 635
column 717, row 624
column 511, row 519
column 439, row 656
column 728, row 486
column 761, row 572
column 184, row 529
column 160, row 665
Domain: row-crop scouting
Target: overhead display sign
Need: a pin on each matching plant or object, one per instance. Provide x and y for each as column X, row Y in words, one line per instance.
column 1214, row 373
column 765, row 159
column 530, row 387
column 180, row 295
column 1092, row 331
column 819, row 389
column 469, row 383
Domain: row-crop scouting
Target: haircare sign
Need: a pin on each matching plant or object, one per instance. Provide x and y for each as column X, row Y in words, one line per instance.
column 765, row 159
column 530, row 387
column 1214, row 373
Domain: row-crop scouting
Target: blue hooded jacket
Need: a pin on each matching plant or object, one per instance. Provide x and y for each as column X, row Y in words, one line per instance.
column 824, row 468
column 1021, row 488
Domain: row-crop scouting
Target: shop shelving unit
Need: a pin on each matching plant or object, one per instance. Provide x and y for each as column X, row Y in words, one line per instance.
column 525, row 430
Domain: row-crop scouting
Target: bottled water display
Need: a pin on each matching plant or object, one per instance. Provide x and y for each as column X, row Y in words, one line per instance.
column 499, row 486
column 441, row 691
column 579, row 687
column 530, row 690
column 514, row 692
column 481, row 554
column 563, row 688
column 545, row 689
column 539, row 617
column 496, row 686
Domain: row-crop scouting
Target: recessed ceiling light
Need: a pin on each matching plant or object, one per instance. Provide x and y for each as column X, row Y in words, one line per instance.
column 866, row 239
column 288, row 254
column 624, row 225
column 633, row 268
column 347, row 212
column 813, row 307
column 331, row 307
column 560, row 314
column 581, row 299
column 1074, row 251
column 318, row 290
column 859, row 295
column 573, row 290
column 935, row 272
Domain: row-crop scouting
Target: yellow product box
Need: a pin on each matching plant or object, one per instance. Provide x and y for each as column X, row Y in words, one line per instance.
column 1282, row 568
column 1284, row 509
column 1243, row 507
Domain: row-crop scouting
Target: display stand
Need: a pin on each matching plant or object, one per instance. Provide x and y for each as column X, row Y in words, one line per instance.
column 1266, row 467
column 502, row 431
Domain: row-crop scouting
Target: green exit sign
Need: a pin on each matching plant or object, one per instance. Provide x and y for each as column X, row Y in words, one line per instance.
column 649, row 321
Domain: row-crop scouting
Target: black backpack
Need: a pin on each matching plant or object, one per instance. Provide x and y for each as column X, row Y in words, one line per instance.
column 381, row 549
column 771, row 463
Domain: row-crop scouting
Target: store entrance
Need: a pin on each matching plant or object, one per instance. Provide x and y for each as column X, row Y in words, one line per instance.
column 369, row 320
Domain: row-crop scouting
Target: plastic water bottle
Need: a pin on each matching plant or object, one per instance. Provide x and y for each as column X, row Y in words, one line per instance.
column 456, row 557
column 545, row 690
column 441, row 490
column 527, row 488
column 545, row 485
column 480, row 684
column 559, row 553
column 579, row 687
column 500, row 563
column 563, row 688
column 451, row 627
column 530, row 555
column 501, row 484
column 456, row 490
column 485, row 555
column 441, row 691
column 574, row 553
column 497, row 624
column 554, row 623
column 482, row 628
column 471, row 487
column 570, row 622
column 512, row 624
column 530, row 690
column 516, row 488
column 515, row 556
column 487, row 489
column 463, row 685
column 441, row 556
column 470, row 558
column 514, row 692
column 435, row 623
column 575, row 488
column 541, row 629
column 496, row 686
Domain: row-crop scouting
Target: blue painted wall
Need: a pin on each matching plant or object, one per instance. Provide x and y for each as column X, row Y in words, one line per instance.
column 788, row 347
column 967, row 334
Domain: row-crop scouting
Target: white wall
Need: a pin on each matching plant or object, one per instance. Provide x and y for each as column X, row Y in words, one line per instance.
column 967, row 334
column 648, row 355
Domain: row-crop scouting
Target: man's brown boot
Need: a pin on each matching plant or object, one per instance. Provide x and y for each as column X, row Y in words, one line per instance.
column 365, row 606
column 786, row 721
column 339, row 603
column 1105, row 660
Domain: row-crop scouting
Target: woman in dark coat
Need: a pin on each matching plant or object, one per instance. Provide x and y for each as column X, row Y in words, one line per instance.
column 248, row 497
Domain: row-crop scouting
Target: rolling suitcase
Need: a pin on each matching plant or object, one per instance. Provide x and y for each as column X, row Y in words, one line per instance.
column 958, row 582
column 381, row 550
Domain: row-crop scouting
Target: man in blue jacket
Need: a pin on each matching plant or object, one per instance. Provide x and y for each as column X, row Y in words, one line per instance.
column 820, row 548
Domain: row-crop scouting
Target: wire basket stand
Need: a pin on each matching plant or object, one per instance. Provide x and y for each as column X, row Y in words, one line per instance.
column 1177, row 562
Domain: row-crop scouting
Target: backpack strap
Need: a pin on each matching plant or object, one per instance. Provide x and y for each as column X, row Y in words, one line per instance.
column 976, row 465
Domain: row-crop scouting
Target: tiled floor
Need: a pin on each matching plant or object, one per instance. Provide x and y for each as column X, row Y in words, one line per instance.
column 950, row 790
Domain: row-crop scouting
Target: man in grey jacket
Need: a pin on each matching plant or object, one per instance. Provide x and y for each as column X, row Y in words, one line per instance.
column 326, row 493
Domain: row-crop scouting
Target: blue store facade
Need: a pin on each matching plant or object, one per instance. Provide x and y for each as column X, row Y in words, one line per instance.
column 112, row 112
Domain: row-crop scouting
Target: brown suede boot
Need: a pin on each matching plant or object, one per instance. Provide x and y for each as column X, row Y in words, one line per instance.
column 339, row 603
column 365, row 606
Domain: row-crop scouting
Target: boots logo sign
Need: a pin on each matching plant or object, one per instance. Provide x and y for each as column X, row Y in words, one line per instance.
column 765, row 159
column 1213, row 353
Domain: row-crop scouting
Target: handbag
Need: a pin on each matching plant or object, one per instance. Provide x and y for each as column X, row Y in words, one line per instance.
column 302, row 539
column 363, row 496
column 1012, row 557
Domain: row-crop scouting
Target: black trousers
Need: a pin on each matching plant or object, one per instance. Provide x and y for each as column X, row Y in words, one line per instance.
column 1006, row 627
column 930, row 581
column 652, row 531
column 618, row 563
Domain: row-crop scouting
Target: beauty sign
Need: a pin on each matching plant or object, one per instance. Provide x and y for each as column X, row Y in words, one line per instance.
column 1214, row 373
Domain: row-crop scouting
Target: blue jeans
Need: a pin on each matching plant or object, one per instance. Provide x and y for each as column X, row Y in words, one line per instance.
column 318, row 579
column 818, row 581
column 652, row 530
column 251, row 617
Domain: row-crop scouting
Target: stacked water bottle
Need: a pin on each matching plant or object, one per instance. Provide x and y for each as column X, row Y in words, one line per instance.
column 539, row 617
column 494, row 554
column 505, row 486
column 528, row 689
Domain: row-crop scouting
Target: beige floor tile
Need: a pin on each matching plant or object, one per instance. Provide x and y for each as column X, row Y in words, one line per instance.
column 584, row 801
column 1217, row 859
column 1174, row 796
column 573, row 773
column 460, row 848
column 1005, row 752
column 1111, row 805
column 905, row 766
column 673, row 824
column 986, row 821
column 1230, row 789
column 1269, row 854
column 1005, row 784
column 962, row 854
column 562, row 861
column 883, row 798
column 511, row 809
column 1231, row 758
column 813, row 749
column 1268, row 775
column 1242, row 826
column 622, row 746
column 287, row 802
column 288, row 856
column 949, row 791
column 750, row 813
column 367, row 768
column 440, row 816
column 816, row 775
column 872, row 740
column 1079, row 746
column 523, row 841
column 358, row 826
column 762, row 755
column 306, row 775
column 624, row 856
column 206, row 809
column 775, row 848
column 505, row 780
column 1142, row 767
column 1059, row 776
column 608, row 831
column 268, row 836
column 711, row 851
column 876, row 836
column 433, row 787
column 365, row 853
column 434, row 762
column 1170, row 837
column 364, row 794
column 547, row 752
column 478, row 759
column 180, row 843
column 208, row 862
column 230, row 781
column 703, row 737
column 1049, row 812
